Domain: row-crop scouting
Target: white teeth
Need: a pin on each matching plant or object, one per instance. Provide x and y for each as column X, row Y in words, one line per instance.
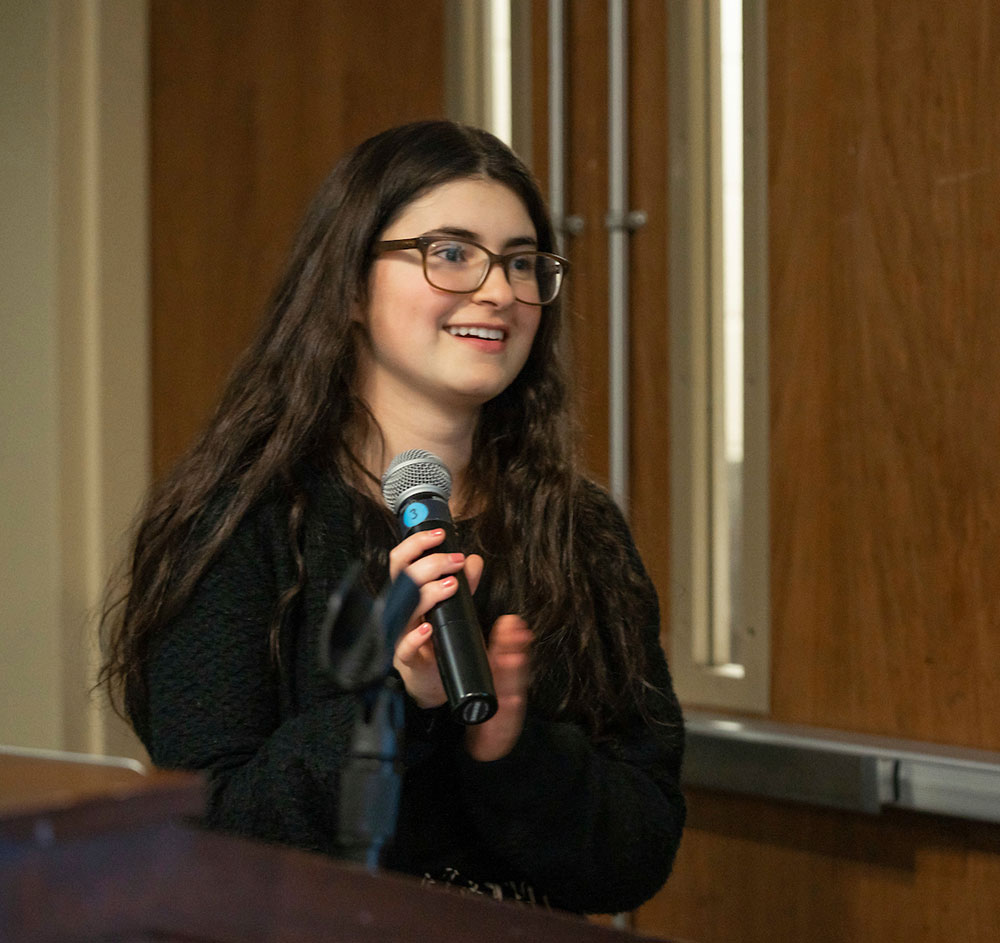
column 487, row 333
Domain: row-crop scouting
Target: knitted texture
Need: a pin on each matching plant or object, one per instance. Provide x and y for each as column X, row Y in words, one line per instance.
column 588, row 827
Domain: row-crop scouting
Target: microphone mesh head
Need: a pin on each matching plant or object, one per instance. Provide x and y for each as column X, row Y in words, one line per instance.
column 414, row 470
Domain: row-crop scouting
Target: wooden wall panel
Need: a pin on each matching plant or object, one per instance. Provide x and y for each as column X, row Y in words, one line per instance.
column 885, row 422
column 885, row 184
column 252, row 102
column 762, row 872
column 649, row 353
column 587, row 197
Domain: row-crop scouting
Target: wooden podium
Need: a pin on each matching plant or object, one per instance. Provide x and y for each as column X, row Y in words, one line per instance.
column 94, row 852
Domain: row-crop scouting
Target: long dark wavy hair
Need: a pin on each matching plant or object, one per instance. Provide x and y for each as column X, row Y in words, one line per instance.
column 292, row 403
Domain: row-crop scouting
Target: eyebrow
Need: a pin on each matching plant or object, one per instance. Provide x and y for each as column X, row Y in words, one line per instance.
column 475, row 237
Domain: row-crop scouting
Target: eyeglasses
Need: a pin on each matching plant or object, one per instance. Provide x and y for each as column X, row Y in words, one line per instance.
column 462, row 267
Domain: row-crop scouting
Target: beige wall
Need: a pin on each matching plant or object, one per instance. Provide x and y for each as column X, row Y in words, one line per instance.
column 74, row 426
column 29, row 444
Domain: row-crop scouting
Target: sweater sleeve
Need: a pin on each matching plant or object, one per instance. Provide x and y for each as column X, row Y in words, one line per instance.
column 215, row 703
column 597, row 823
column 596, row 826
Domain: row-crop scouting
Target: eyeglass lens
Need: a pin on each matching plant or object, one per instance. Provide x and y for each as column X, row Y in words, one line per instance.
column 454, row 265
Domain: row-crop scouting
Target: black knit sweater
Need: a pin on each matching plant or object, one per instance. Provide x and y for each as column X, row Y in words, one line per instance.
column 588, row 827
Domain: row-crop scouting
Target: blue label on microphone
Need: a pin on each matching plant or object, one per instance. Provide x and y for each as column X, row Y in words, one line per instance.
column 415, row 514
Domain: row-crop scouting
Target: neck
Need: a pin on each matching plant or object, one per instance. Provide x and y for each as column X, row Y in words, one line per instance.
column 410, row 424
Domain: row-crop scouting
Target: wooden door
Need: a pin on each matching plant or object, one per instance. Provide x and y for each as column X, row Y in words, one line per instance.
column 885, row 422
column 252, row 101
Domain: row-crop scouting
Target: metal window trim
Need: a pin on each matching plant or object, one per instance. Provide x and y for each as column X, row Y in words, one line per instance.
column 839, row 769
column 746, row 686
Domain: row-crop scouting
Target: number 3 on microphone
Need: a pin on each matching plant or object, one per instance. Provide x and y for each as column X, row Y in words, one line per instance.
column 415, row 514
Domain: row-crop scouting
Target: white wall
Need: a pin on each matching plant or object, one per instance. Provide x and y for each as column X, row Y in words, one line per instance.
column 74, row 396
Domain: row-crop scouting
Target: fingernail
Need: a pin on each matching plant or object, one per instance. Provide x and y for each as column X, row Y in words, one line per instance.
column 449, row 581
column 457, row 557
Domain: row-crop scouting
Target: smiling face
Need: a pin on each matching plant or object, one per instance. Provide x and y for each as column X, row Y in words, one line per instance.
column 431, row 348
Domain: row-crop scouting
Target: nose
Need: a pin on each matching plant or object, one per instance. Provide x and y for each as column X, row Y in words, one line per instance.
column 496, row 289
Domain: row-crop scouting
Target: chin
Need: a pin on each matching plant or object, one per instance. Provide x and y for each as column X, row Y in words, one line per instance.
column 480, row 390
column 468, row 396
column 479, row 397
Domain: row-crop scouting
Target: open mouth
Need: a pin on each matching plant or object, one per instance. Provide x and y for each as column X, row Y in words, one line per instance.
column 485, row 333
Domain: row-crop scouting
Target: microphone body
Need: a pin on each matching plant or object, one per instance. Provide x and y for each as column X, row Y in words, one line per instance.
column 417, row 486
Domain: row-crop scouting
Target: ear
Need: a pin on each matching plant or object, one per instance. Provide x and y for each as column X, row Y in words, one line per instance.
column 357, row 327
column 358, row 313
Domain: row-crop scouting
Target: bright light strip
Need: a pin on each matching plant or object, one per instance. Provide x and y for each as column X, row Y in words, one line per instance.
column 501, row 103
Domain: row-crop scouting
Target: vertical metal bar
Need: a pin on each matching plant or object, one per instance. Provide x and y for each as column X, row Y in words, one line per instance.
column 755, row 629
column 720, row 594
column 557, row 118
column 618, row 235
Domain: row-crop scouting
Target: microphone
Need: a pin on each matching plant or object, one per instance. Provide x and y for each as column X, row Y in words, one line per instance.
column 356, row 643
column 416, row 486
column 358, row 633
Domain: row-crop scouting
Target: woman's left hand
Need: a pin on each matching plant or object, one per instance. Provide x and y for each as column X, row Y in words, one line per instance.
column 510, row 661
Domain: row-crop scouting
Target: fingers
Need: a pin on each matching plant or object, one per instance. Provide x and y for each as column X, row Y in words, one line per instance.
column 414, row 660
column 509, row 647
column 412, row 549
column 473, row 570
column 510, row 661
column 434, row 573
column 510, row 633
column 413, row 648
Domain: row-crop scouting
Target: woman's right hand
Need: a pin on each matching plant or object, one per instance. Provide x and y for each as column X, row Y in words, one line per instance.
column 435, row 575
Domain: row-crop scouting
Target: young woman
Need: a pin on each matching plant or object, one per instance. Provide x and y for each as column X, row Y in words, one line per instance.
column 420, row 309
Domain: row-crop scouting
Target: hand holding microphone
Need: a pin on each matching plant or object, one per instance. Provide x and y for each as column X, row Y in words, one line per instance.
column 417, row 557
column 416, row 486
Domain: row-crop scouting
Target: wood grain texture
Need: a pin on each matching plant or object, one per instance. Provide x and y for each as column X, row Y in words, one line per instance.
column 252, row 101
column 885, row 422
column 752, row 871
column 649, row 478
column 885, row 402
column 133, row 865
column 885, row 408
column 587, row 197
